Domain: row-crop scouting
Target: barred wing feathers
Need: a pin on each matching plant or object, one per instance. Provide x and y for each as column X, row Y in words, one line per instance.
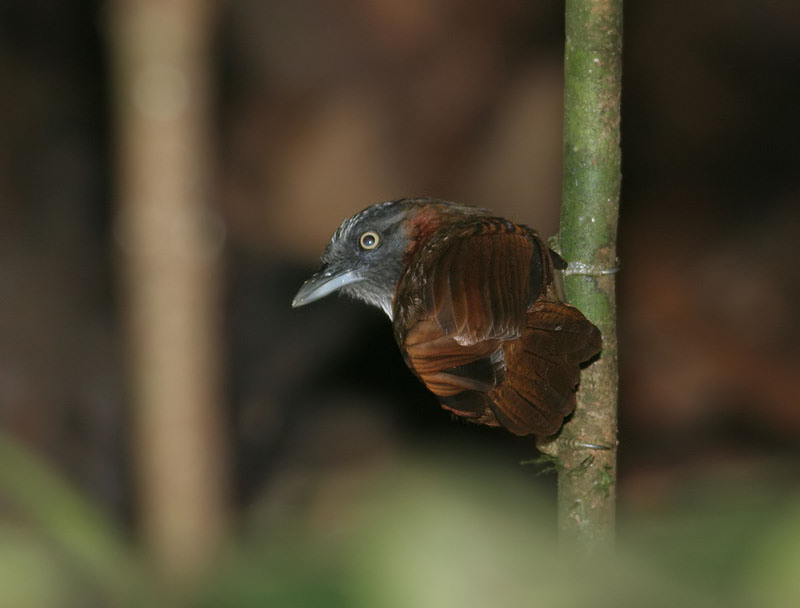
column 477, row 319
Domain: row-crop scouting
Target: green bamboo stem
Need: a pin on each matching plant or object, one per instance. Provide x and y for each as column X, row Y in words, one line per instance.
column 593, row 66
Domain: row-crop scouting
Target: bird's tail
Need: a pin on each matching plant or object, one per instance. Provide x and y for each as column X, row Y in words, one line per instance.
column 543, row 369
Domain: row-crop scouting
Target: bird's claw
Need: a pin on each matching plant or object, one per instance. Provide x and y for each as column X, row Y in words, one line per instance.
column 576, row 443
column 590, row 270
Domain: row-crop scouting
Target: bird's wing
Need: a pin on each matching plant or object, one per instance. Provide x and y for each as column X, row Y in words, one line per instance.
column 478, row 280
column 465, row 292
column 477, row 321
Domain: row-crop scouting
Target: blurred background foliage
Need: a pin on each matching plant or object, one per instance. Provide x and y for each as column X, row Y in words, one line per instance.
column 434, row 530
column 350, row 486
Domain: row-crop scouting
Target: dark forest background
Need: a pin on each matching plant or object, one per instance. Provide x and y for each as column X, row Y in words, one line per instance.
column 323, row 107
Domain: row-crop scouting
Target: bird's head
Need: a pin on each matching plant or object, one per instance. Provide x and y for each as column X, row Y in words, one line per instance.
column 366, row 255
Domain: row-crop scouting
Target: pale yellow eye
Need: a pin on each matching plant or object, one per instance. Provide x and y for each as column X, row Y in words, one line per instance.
column 369, row 240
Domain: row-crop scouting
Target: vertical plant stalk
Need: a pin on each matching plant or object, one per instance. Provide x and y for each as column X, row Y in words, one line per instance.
column 591, row 187
column 170, row 277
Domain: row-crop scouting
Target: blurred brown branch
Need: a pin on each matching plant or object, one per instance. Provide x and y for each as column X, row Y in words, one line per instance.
column 170, row 275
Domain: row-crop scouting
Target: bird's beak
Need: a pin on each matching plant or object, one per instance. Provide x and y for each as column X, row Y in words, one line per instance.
column 323, row 282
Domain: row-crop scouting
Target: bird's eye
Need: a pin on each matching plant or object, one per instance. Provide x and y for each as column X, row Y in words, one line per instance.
column 369, row 240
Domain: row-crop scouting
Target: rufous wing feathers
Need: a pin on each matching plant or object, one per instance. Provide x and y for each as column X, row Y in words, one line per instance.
column 493, row 347
column 543, row 369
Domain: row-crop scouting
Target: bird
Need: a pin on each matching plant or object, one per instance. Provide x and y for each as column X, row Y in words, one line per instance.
column 476, row 304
